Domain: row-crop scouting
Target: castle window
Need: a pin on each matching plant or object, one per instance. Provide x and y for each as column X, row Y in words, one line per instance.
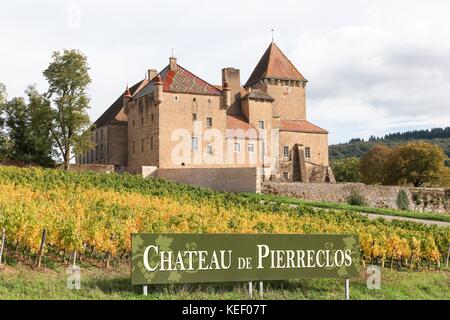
column 286, row 151
column 194, row 117
column 142, row 120
column 209, row 122
column 176, row 98
column 153, row 117
column 251, row 147
column 209, row 149
column 142, row 145
column 101, row 152
column 134, row 147
column 237, row 147
column 134, row 123
column 151, row 143
column 194, row 99
column 194, row 143
column 287, row 90
column 308, row 153
column 261, row 124
column 285, row 175
column 101, row 135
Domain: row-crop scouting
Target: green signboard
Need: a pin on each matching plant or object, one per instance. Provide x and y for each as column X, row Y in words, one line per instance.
column 194, row 258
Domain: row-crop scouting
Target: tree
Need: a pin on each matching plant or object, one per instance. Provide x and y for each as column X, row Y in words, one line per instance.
column 40, row 120
column 417, row 163
column 28, row 129
column 68, row 79
column 346, row 170
column 374, row 165
column 3, row 142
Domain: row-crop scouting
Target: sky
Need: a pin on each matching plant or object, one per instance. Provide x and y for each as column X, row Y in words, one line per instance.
column 374, row 66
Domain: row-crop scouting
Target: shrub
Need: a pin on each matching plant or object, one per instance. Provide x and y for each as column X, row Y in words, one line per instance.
column 355, row 198
column 402, row 200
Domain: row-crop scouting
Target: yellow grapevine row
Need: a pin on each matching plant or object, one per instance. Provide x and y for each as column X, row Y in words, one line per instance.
column 105, row 219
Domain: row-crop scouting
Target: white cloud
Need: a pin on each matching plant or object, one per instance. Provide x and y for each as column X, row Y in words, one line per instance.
column 375, row 66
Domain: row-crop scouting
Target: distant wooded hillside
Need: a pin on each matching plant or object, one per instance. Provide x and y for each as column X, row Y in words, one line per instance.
column 357, row 147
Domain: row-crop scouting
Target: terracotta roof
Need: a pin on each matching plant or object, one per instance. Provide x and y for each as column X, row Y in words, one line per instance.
column 113, row 111
column 274, row 65
column 239, row 122
column 181, row 81
column 258, row 94
column 300, row 126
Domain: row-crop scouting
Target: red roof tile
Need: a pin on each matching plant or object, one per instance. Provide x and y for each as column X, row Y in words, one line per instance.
column 180, row 81
column 240, row 123
column 300, row 126
column 274, row 65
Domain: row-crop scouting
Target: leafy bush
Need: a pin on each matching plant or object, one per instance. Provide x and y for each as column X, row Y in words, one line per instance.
column 355, row 198
column 402, row 200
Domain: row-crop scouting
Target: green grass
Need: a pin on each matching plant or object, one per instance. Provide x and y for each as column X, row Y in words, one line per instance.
column 20, row 282
column 338, row 206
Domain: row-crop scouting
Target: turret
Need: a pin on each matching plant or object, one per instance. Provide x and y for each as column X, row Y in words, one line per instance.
column 126, row 99
column 158, row 89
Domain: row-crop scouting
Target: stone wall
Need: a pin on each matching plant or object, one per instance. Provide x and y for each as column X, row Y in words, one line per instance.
column 420, row 199
column 221, row 179
column 99, row 168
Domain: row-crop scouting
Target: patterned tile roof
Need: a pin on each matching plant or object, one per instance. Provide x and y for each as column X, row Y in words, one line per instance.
column 274, row 65
column 181, row 81
column 300, row 126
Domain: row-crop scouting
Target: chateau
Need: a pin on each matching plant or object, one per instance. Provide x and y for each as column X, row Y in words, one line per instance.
column 175, row 120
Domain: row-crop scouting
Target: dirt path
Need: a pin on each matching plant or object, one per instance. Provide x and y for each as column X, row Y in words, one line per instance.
column 373, row 216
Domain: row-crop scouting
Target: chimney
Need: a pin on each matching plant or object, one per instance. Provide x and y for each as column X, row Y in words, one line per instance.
column 232, row 79
column 226, row 95
column 173, row 63
column 151, row 73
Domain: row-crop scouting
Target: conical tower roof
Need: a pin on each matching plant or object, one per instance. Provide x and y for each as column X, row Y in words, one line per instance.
column 274, row 65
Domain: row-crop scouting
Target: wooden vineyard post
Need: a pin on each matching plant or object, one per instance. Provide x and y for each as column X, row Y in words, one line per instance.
column 3, row 244
column 74, row 260
column 145, row 289
column 448, row 254
column 250, row 289
column 347, row 289
column 41, row 248
column 261, row 289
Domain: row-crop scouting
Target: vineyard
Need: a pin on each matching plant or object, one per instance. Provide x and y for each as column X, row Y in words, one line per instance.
column 94, row 214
